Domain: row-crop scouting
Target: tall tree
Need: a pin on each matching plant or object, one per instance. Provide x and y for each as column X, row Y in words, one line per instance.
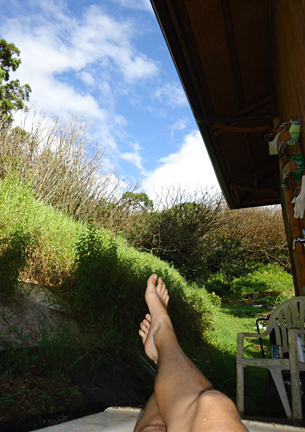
column 12, row 94
column 137, row 202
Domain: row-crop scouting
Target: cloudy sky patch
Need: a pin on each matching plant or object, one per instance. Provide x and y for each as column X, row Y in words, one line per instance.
column 109, row 61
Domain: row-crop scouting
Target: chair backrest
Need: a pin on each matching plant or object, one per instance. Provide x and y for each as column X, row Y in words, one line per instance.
column 290, row 314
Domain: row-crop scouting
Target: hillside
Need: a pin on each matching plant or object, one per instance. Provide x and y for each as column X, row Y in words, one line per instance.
column 97, row 282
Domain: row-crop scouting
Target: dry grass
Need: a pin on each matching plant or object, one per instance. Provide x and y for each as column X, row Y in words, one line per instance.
column 66, row 168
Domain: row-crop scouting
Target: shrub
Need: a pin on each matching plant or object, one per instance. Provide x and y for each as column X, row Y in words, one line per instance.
column 229, row 258
column 96, row 272
column 260, row 232
column 15, row 249
column 270, row 281
column 179, row 231
column 66, row 169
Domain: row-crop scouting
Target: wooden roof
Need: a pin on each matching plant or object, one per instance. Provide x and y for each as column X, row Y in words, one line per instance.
column 222, row 50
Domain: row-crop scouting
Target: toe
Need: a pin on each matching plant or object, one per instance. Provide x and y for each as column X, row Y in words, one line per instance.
column 166, row 300
column 159, row 285
column 152, row 279
column 144, row 327
column 146, row 324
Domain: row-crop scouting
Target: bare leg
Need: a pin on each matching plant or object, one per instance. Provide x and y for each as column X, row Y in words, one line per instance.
column 150, row 419
column 184, row 397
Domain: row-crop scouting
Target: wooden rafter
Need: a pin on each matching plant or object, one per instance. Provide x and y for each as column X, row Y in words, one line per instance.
column 257, row 189
column 244, row 129
column 229, row 26
column 258, row 173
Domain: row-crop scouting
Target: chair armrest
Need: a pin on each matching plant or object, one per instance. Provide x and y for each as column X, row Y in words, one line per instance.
column 242, row 336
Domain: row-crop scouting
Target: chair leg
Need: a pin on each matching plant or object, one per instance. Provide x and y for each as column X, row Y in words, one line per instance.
column 295, row 377
column 278, row 381
column 240, row 403
column 296, row 397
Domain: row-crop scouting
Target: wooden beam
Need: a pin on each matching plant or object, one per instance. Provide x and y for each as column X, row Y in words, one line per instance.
column 189, row 46
column 257, row 189
column 257, row 174
column 233, row 118
column 229, row 26
column 249, row 109
column 244, row 129
column 260, row 202
column 252, row 107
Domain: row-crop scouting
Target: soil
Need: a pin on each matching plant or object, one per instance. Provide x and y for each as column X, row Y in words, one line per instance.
column 36, row 400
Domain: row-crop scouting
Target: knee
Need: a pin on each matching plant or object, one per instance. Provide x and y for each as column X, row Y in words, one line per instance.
column 215, row 401
column 215, row 412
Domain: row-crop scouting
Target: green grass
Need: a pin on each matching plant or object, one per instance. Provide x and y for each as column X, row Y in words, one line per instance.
column 218, row 362
column 100, row 281
column 54, row 232
column 271, row 282
column 96, row 277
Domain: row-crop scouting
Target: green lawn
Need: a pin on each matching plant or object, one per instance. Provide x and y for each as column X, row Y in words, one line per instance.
column 219, row 358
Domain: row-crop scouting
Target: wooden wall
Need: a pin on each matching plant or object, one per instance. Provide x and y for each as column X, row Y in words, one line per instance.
column 288, row 62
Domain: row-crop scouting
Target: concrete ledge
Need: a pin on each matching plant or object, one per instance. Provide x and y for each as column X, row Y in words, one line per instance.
column 116, row 419
column 111, row 420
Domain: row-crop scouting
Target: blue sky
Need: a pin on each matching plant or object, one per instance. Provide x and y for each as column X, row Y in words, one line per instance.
column 108, row 59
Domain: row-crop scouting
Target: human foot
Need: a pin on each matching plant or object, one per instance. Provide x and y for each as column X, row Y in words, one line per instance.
column 157, row 298
column 143, row 332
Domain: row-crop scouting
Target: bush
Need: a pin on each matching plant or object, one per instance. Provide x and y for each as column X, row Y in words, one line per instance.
column 200, row 236
column 179, row 231
column 106, row 290
column 15, row 250
column 270, row 281
column 96, row 272
column 66, row 169
column 260, row 231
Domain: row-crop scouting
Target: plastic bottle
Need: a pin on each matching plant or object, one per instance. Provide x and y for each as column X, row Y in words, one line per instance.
column 294, row 131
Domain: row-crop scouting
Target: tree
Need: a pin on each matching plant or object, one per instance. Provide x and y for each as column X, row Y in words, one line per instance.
column 137, row 202
column 12, row 94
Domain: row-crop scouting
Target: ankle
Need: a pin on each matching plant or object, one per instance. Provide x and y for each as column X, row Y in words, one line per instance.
column 163, row 331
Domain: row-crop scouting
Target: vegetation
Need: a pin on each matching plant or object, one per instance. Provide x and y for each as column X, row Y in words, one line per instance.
column 205, row 240
column 12, row 94
column 266, row 287
column 66, row 224
column 64, row 167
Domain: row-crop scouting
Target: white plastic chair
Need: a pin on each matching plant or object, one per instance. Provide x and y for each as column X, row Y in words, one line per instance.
column 287, row 320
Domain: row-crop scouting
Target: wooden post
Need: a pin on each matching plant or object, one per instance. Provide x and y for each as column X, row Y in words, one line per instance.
column 293, row 229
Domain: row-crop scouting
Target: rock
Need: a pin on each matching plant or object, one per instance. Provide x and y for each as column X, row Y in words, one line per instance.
column 32, row 311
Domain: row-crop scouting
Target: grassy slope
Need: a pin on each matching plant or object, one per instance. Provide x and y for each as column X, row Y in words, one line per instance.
column 120, row 298
column 54, row 260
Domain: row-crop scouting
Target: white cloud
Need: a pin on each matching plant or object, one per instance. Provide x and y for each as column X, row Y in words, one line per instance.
column 137, row 4
column 190, row 167
column 87, row 78
column 134, row 157
column 53, row 44
column 178, row 126
column 102, row 38
column 171, row 94
column 78, row 64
